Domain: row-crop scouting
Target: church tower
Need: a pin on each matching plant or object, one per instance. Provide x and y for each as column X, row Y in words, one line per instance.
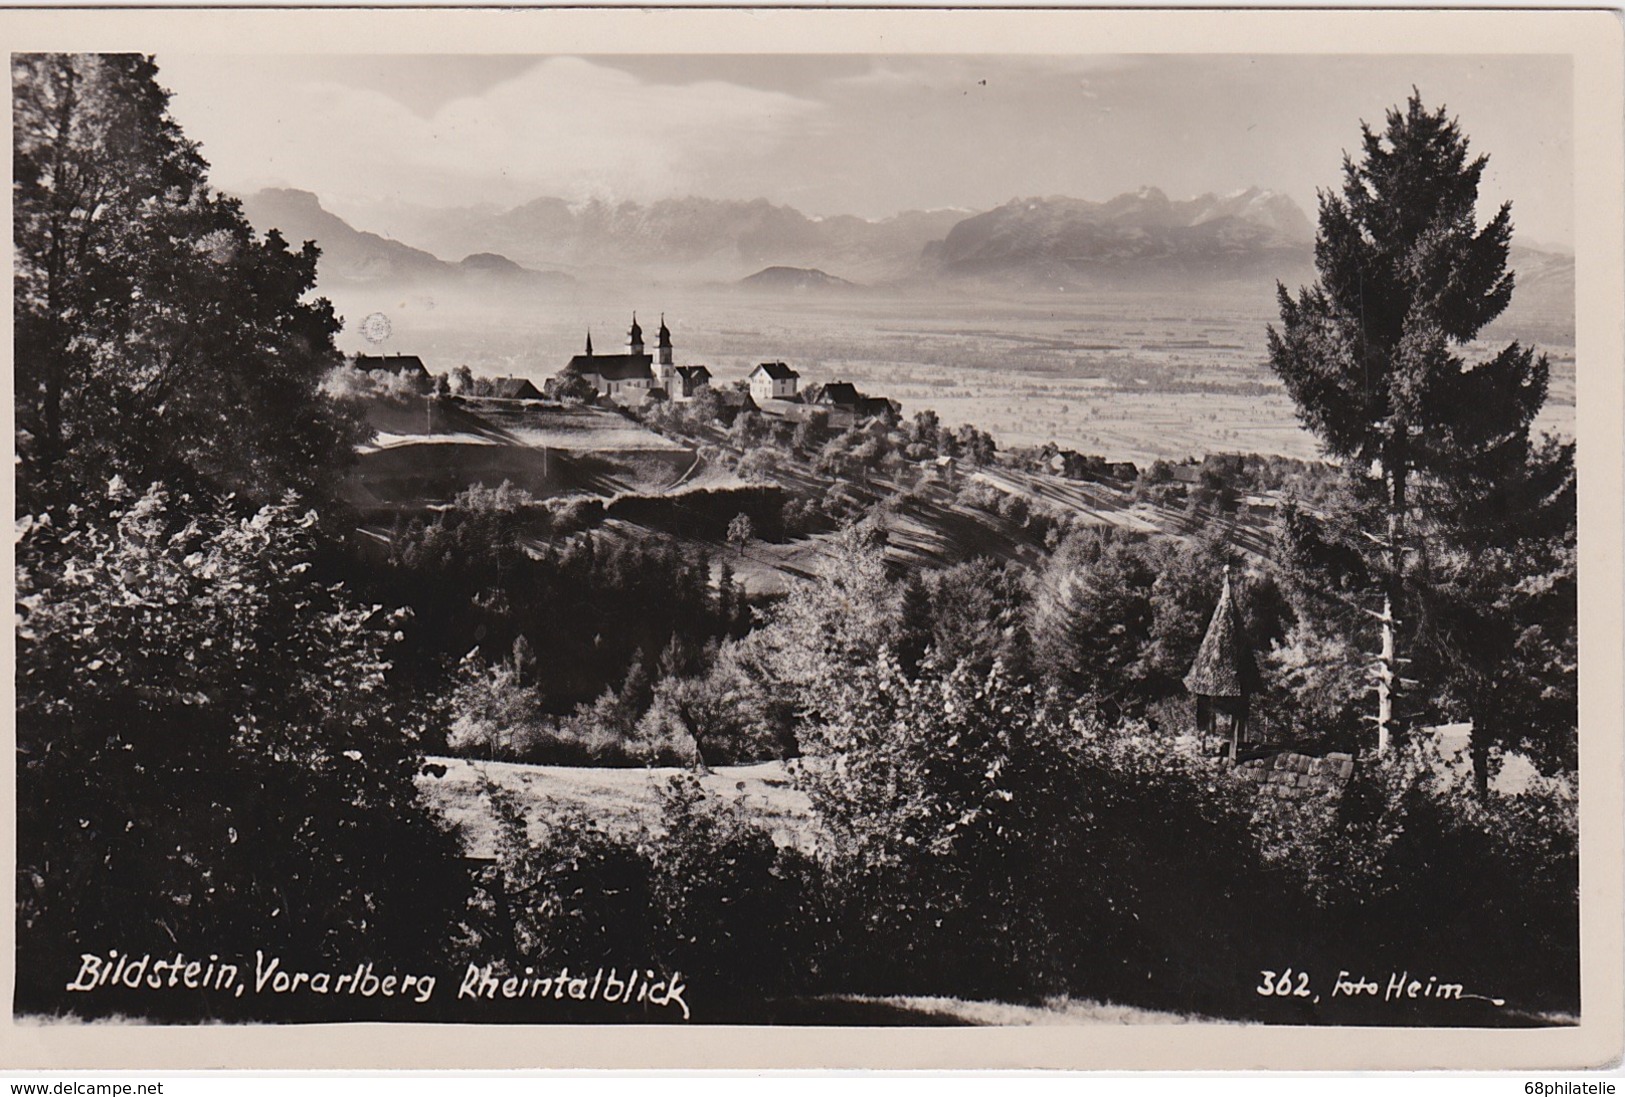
column 663, row 343
column 665, row 369
column 634, row 340
column 589, row 344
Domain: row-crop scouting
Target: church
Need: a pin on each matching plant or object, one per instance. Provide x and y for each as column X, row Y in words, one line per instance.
column 630, row 377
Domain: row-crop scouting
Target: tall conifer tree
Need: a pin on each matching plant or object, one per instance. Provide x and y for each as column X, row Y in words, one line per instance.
column 1372, row 353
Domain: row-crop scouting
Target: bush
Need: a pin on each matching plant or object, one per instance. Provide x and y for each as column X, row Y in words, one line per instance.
column 981, row 496
column 575, row 513
column 983, row 843
column 1410, row 867
column 758, row 465
column 1014, row 509
column 208, row 752
column 494, row 712
column 707, row 896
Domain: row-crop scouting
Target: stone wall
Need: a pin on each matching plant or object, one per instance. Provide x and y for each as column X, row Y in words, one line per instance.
column 1287, row 775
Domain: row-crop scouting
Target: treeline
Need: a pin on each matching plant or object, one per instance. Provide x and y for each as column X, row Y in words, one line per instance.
column 992, row 832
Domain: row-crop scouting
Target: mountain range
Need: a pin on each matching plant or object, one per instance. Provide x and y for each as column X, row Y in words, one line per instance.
column 691, row 238
column 700, row 239
column 1059, row 239
column 353, row 257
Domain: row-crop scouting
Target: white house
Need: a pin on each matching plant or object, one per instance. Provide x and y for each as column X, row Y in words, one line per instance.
column 773, row 381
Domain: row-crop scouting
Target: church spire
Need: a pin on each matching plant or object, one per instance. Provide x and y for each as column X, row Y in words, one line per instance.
column 635, row 336
column 663, row 342
column 589, row 342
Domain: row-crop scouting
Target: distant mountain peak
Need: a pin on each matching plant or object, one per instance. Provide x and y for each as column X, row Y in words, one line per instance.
column 795, row 280
column 1061, row 240
column 350, row 255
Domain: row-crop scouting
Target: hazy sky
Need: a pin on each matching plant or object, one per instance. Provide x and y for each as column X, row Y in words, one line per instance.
column 869, row 135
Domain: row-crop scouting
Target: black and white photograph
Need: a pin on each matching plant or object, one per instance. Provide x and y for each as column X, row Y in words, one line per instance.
column 892, row 537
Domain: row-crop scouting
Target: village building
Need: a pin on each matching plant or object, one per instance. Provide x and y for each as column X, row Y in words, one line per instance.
column 733, row 402
column 848, row 407
column 837, row 394
column 627, row 377
column 514, row 388
column 687, row 381
column 879, row 409
column 402, row 365
column 773, row 381
column 1223, row 678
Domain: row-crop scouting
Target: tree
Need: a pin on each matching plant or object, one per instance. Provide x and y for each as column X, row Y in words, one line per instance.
column 740, row 532
column 825, row 628
column 207, row 751
column 1370, row 353
column 1092, row 617
column 568, row 383
column 978, row 617
column 1502, row 610
column 157, row 336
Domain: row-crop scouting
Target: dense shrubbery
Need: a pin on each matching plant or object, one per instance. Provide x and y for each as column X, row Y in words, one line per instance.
column 983, row 834
column 979, row 838
column 986, row 842
column 208, row 750
column 707, row 895
column 1410, row 866
column 479, row 577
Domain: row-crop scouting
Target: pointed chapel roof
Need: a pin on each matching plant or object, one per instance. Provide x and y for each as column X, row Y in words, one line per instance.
column 589, row 344
column 1224, row 665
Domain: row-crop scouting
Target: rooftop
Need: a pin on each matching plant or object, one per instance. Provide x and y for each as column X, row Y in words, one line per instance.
column 1224, row 665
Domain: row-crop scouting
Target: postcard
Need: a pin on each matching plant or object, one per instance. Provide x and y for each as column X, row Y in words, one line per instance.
column 806, row 538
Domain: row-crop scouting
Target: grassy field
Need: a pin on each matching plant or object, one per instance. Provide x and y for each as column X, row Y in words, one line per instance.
column 426, row 451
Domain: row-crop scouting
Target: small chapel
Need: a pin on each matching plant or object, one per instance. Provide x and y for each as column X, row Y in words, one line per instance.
column 1223, row 679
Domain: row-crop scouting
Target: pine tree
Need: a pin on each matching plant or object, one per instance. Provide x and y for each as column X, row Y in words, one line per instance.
column 1371, row 353
column 914, row 623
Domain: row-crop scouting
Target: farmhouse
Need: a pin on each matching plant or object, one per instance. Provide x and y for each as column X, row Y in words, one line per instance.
column 514, row 388
column 407, row 365
column 732, row 403
column 879, row 408
column 847, row 406
column 839, row 394
column 773, row 381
